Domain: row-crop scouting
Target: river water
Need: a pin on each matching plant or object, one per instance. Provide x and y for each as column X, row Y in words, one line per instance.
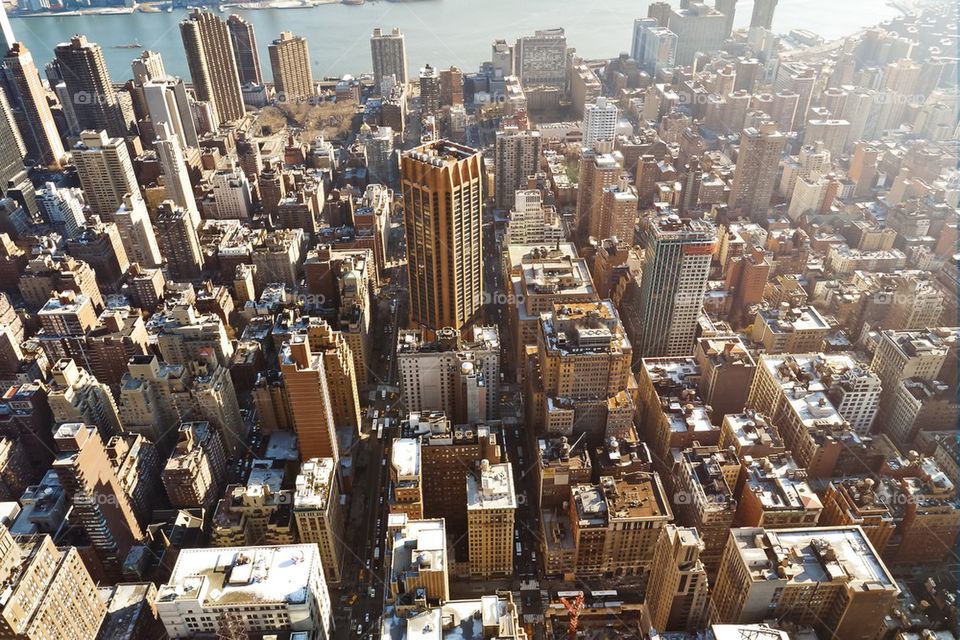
column 439, row 32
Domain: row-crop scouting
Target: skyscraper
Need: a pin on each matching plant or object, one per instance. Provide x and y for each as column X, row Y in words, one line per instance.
column 443, row 195
column 6, row 31
column 654, row 46
column 698, row 28
column 304, row 377
column 176, row 181
column 245, row 50
column 599, row 122
column 100, row 506
column 756, row 172
column 177, row 237
column 91, row 92
column 213, row 66
column 136, row 231
column 14, row 181
column 429, row 90
column 105, row 171
column 541, row 59
column 675, row 272
column 516, row 156
column 166, row 101
column 30, row 107
column 149, row 66
column 290, row 62
column 729, row 9
column 389, row 54
column 763, row 13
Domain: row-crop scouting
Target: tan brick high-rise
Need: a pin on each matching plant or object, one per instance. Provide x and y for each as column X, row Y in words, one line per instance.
column 443, row 199
column 213, row 66
column 290, row 62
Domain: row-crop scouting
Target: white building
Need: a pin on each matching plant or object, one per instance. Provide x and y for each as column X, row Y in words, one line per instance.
column 62, row 207
column 268, row 589
column 176, row 181
column 653, row 46
column 533, row 223
column 168, row 103
column 231, row 195
column 458, row 376
column 320, row 514
column 599, row 121
column 136, row 232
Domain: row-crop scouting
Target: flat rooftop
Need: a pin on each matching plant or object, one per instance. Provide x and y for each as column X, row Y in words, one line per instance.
column 491, row 488
column 243, row 575
column 455, row 620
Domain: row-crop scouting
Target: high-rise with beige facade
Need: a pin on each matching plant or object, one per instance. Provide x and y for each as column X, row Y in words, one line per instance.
column 491, row 509
column 308, row 395
column 290, row 62
column 320, row 516
column 389, row 54
column 213, row 65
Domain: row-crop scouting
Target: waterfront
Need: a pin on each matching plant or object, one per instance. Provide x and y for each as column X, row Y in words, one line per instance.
column 439, row 32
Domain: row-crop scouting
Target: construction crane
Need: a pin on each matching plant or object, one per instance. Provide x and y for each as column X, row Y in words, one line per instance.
column 574, row 611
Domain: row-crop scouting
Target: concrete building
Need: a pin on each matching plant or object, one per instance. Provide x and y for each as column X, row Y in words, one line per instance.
column 292, row 73
column 49, row 593
column 905, row 354
column 338, row 364
column 758, row 163
column 182, row 335
column 853, row 588
column 320, row 512
column 763, row 14
column 921, row 405
column 457, row 375
column 706, row 480
column 105, row 171
column 194, row 472
column 95, row 102
column 775, row 495
column 389, row 54
column 750, row 434
column 677, row 591
column 582, row 375
column 76, row 396
column 418, row 568
column 177, row 238
column 30, row 108
column 599, row 122
column 245, row 50
column 560, row 466
column 166, row 102
column 855, row 502
column 726, row 372
column 62, row 207
column 532, row 222
column 309, row 399
column 516, row 157
column 176, row 180
column 491, row 509
column 444, row 259
column 100, row 506
column 268, row 590
column 136, row 231
column 597, row 171
column 653, row 46
column 790, row 329
column 494, row 614
column 541, row 59
column 699, row 28
column 213, row 64
column 678, row 253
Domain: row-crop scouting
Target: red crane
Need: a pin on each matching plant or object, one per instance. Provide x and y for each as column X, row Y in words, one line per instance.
column 574, row 611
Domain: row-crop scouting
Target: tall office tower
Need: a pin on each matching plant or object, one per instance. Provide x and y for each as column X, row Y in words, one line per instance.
column 501, row 57
column 195, row 470
column 451, row 86
column 599, row 122
column 166, row 102
column 30, row 108
column 516, row 157
column 62, row 207
column 105, row 171
column 178, row 241
column 290, row 63
column 100, row 506
column 905, row 354
column 457, row 375
column 784, row 109
column 304, row 377
column 654, row 46
column 699, row 28
column 136, row 231
column 491, row 510
column 245, row 50
column 149, row 66
column 729, row 9
column 6, row 31
column 49, row 592
column 429, row 91
column 754, row 178
column 389, row 54
column 443, row 195
column 176, row 180
column 677, row 591
column 270, row 590
column 673, row 283
column 94, row 100
column 659, row 11
column 14, row 181
column 541, row 59
column 213, row 66
column 763, row 14
column 808, row 562
column 320, row 516
column 597, row 171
